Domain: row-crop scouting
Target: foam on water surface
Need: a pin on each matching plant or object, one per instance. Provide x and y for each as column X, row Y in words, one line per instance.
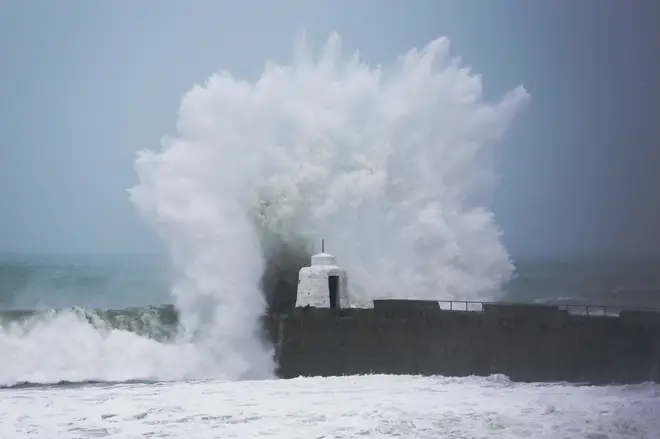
column 359, row 406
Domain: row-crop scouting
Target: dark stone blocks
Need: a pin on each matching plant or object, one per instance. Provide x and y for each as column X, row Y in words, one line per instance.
column 526, row 343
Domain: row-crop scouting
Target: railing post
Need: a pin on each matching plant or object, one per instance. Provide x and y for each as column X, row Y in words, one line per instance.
column 573, row 309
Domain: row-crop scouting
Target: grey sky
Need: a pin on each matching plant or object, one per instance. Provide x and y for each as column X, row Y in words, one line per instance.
column 83, row 85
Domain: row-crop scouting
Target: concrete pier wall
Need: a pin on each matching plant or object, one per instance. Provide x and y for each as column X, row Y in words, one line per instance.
column 526, row 343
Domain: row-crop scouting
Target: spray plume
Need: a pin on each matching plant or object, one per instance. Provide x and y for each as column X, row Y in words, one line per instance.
column 392, row 166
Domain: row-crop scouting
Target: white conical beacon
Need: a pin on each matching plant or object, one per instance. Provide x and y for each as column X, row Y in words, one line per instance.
column 324, row 284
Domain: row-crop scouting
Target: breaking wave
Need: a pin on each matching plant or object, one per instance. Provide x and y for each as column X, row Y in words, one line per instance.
column 392, row 165
column 159, row 323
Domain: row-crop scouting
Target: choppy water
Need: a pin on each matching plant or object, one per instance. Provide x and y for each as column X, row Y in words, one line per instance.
column 42, row 282
column 633, row 282
column 348, row 407
column 392, row 165
column 86, row 319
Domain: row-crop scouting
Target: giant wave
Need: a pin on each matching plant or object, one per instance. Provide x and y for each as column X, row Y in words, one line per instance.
column 393, row 165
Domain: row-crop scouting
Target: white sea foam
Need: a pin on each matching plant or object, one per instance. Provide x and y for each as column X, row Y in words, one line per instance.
column 67, row 347
column 391, row 165
column 366, row 407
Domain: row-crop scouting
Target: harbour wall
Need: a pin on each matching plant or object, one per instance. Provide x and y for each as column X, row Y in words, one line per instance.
column 526, row 343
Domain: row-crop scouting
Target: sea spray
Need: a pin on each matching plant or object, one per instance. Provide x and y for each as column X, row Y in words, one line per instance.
column 389, row 165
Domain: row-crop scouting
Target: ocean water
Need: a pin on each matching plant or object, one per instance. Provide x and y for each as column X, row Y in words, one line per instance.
column 91, row 318
column 394, row 166
column 45, row 281
column 348, row 407
column 120, row 281
column 587, row 280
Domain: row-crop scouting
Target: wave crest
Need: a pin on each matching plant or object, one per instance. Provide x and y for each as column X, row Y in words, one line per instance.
column 390, row 165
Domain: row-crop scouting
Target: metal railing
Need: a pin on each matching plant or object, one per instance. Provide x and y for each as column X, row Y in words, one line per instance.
column 573, row 309
column 602, row 310
column 462, row 305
